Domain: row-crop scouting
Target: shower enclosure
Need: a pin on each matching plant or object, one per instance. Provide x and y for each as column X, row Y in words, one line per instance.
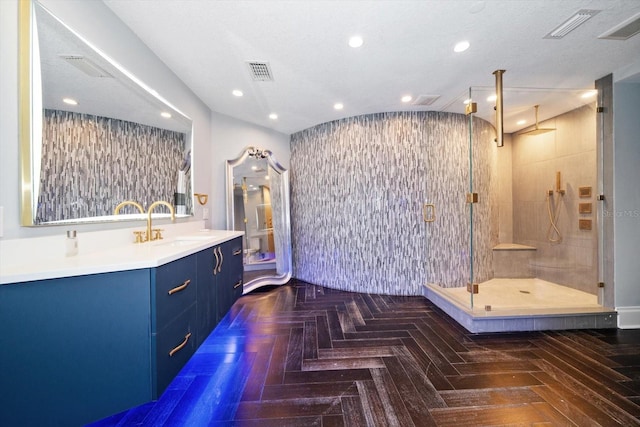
column 533, row 212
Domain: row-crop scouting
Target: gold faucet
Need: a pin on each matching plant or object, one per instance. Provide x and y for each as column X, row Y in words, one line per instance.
column 145, row 236
column 125, row 203
column 157, row 236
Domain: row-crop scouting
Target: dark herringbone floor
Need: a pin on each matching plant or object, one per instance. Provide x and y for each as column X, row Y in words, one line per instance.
column 303, row 355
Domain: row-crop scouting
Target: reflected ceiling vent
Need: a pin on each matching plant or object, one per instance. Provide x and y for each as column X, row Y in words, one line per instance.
column 579, row 18
column 260, row 71
column 425, row 99
column 86, row 65
column 625, row 30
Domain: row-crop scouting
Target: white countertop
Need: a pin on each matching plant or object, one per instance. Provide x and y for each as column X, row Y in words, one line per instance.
column 39, row 264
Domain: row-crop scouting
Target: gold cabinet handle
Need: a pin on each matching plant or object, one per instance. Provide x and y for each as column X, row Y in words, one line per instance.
column 179, row 288
column 181, row 345
column 215, row 269
column 237, row 285
column 431, row 208
column 221, row 259
column 238, row 252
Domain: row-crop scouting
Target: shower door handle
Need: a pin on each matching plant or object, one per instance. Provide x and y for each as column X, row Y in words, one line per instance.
column 429, row 212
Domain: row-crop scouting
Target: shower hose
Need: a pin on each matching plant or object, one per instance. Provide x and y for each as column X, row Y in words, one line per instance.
column 553, row 233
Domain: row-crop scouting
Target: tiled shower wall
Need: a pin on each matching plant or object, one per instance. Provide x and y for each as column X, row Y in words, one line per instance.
column 90, row 164
column 358, row 187
column 571, row 150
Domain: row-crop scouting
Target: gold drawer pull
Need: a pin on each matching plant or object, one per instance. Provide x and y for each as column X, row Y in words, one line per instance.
column 181, row 346
column 179, row 288
column 238, row 252
column 237, row 285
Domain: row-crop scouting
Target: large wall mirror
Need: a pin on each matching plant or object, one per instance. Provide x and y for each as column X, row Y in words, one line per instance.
column 258, row 204
column 92, row 134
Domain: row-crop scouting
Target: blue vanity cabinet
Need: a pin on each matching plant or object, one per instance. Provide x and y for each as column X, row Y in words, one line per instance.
column 74, row 349
column 234, row 268
column 173, row 320
column 219, row 283
column 206, row 311
column 229, row 278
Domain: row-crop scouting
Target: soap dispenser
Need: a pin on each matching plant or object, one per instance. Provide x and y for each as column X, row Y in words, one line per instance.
column 71, row 243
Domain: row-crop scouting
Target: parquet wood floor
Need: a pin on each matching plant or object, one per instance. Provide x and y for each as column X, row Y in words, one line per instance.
column 304, row 355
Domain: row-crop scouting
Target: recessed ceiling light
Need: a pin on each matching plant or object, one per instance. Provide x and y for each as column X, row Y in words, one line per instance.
column 273, row 116
column 254, row 168
column 237, row 92
column 589, row 94
column 461, row 46
column 356, row 41
column 521, row 122
column 266, row 177
column 407, row 98
column 492, row 98
column 165, row 115
column 70, row 101
column 338, row 106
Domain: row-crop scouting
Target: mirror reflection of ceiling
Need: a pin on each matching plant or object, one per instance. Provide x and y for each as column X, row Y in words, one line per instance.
column 103, row 91
column 407, row 50
column 254, row 170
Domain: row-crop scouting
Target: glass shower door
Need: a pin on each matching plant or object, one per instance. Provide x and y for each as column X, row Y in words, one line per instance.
column 481, row 192
column 532, row 203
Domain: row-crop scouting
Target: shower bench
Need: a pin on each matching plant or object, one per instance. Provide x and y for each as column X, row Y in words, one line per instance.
column 513, row 260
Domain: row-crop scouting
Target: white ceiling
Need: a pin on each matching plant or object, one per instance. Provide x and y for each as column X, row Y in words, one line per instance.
column 408, row 49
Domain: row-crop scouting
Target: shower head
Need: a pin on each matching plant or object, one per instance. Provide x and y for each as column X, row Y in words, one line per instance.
column 537, row 130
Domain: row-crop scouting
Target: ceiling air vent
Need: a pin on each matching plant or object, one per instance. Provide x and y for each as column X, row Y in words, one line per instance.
column 87, row 66
column 260, row 71
column 625, row 30
column 425, row 99
column 579, row 18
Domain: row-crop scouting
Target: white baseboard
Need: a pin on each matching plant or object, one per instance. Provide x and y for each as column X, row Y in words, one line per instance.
column 628, row 317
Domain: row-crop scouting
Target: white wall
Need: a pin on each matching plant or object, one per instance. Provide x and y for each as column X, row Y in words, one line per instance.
column 216, row 137
column 9, row 172
column 626, row 213
column 230, row 136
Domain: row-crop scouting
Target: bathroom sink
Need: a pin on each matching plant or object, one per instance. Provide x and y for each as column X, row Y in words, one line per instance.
column 199, row 237
column 176, row 242
column 185, row 240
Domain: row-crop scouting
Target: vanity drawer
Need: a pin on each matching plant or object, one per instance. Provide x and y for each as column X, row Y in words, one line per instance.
column 175, row 344
column 175, row 288
column 234, row 266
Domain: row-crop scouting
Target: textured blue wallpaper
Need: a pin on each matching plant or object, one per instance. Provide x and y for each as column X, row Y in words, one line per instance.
column 358, row 186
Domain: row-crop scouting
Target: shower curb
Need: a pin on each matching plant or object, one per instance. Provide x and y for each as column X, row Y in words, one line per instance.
column 572, row 319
